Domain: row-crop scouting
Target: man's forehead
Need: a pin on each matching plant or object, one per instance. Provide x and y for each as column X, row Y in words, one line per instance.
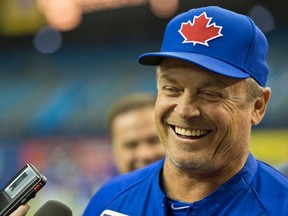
column 212, row 78
column 169, row 64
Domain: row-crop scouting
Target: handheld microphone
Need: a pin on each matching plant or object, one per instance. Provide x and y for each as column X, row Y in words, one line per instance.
column 55, row 208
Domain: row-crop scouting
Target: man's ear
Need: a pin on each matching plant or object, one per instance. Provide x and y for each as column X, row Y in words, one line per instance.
column 260, row 105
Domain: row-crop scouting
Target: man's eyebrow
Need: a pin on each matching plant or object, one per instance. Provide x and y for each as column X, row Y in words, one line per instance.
column 166, row 78
column 214, row 83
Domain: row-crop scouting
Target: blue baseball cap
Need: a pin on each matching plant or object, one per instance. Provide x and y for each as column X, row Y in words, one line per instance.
column 217, row 39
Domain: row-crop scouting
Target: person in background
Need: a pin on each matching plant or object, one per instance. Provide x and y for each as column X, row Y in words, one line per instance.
column 211, row 83
column 21, row 210
column 134, row 139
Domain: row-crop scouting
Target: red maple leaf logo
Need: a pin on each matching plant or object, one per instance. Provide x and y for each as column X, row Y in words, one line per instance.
column 200, row 31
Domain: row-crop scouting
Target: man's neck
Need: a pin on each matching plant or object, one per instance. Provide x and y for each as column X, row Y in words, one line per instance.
column 190, row 187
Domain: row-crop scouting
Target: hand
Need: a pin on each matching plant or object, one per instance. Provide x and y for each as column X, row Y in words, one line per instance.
column 21, row 210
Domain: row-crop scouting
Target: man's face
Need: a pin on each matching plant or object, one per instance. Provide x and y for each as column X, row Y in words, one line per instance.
column 135, row 142
column 203, row 119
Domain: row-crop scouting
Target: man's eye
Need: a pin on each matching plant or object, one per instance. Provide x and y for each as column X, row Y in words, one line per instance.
column 210, row 96
column 153, row 140
column 130, row 145
column 171, row 90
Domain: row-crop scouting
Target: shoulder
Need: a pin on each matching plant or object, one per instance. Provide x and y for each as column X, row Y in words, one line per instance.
column 271, row 188
column 269, row 174
column 123, row 185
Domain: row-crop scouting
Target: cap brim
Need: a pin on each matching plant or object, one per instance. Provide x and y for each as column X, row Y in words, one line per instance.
column 207, row 62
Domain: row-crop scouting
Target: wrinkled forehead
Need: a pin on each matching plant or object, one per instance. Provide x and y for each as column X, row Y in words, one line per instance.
column 172, row 64
column 211, row 78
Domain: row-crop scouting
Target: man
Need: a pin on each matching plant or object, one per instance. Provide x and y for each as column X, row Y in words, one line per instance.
column 134, row 139
column 211, row 78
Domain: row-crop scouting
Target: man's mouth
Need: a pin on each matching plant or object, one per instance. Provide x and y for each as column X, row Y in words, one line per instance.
column 190, row 133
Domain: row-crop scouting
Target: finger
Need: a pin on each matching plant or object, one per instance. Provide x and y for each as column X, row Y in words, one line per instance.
column 21, row 210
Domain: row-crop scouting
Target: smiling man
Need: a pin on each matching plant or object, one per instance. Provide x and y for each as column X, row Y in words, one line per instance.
column 211, row 78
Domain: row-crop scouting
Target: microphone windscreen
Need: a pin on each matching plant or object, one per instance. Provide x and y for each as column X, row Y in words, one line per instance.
column 55, row 208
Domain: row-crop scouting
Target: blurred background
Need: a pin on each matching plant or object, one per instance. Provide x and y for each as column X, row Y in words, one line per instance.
column 63, row 62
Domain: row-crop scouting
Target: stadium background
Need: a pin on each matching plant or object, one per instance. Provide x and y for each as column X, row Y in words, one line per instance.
column 56, row 83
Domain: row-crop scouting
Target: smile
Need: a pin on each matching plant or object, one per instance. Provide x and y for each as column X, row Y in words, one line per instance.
column 190, row 133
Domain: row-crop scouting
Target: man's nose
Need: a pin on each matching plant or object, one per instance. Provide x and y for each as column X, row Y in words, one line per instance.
column 187, row 107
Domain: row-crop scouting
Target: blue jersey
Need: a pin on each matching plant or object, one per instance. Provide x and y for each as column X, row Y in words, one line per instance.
column 258, row 189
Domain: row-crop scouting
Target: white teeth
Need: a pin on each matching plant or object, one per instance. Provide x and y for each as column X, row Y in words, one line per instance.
column 187, row 132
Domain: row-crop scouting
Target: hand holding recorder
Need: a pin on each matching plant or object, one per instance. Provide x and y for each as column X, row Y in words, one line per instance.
column 21, row 210
column 20, row 189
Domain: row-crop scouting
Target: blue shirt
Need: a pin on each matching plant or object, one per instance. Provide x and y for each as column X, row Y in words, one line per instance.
column 258, row 189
